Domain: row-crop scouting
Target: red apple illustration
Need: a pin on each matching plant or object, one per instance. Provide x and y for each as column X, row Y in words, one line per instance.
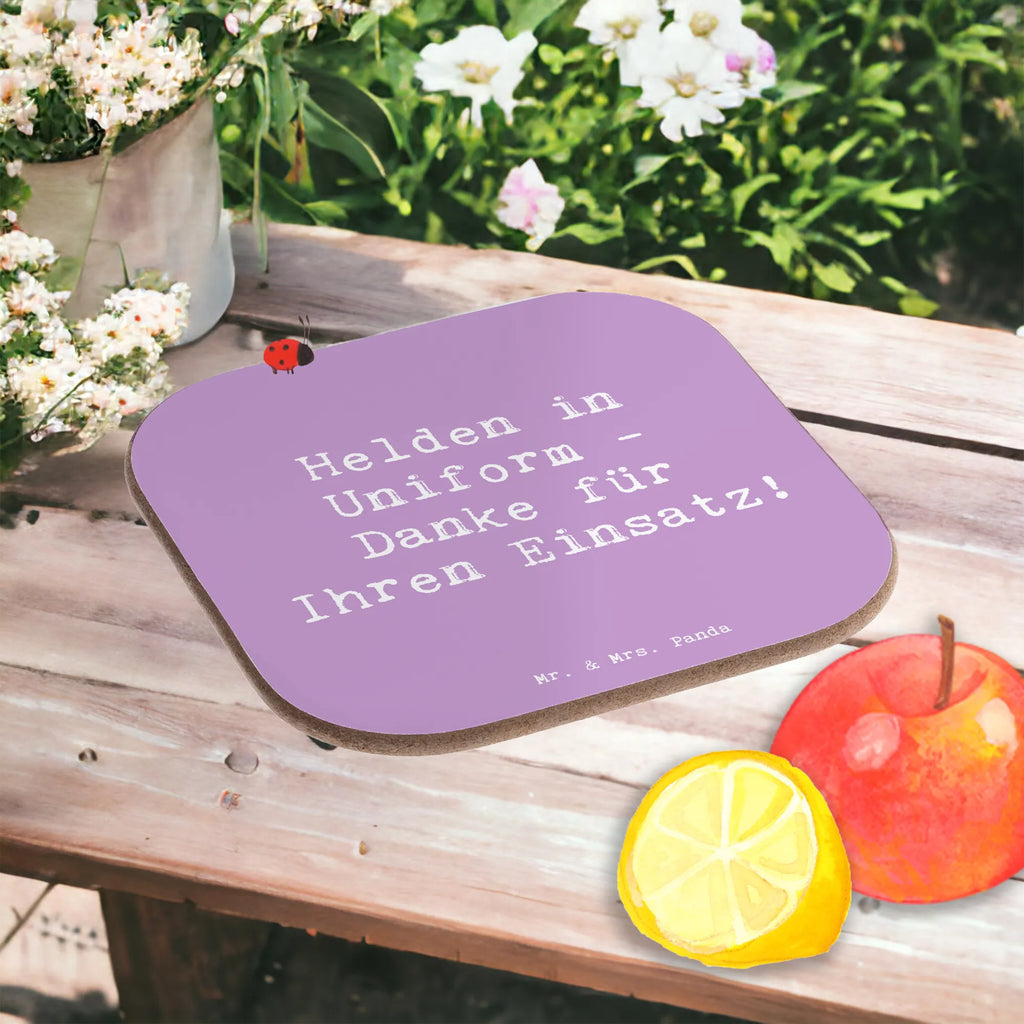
column 916, row 744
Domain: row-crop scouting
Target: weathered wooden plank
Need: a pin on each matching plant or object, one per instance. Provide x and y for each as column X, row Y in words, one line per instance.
column 461, row 855
column 505, row 853
column 956, row 557
column 175, row 963
column 945, row 379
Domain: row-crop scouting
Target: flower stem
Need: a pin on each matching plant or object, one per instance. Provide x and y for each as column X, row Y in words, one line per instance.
column 946, row 678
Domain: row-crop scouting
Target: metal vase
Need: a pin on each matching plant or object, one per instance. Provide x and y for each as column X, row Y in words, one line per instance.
column 158, row 205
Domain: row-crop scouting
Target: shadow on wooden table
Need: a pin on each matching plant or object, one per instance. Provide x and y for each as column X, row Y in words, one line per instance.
column 302, row 978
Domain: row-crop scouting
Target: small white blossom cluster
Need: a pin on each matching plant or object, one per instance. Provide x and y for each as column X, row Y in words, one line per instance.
column 273, row 18
column 77, row 378
column 137, row 70
column 121, row 75
column 382, row 8
column 704, row 61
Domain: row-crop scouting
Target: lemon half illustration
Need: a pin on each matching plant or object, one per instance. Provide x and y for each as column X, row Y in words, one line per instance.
column 734, row 859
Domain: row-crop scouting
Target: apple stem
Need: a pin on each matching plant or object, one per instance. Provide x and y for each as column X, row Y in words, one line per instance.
column 946, row 679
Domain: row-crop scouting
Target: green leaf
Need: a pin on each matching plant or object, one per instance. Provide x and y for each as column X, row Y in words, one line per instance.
column 742, row 193
column 296, row 151
column 355, row 107
column 327, row 211
column 834, row 276
column 590, row 234
column 790, row 92
column 281, row 204
column 864, row 239
column 893, row 285
column 781, row 243
column 732, row 146
column 851, row 254
column 844, row 147
column 552, row 56
column 970, row 51
column 646, row 166
column 916, row 304
column 893, row 108
column 363, row 24
column 283, row 100
column 679, row 259
column 874, row 77
column 487, row 10
column 882, row 194
column 785, row 241
column 237, row 173
column 526, row 15
column 329, row 133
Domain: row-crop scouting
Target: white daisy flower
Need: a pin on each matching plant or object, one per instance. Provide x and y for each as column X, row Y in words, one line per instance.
column 479, row 63
column 686, row 80
column 712, row 20
column 613, row 22
column 618, row 25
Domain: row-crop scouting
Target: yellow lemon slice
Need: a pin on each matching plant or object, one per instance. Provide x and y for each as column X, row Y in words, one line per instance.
column 734, row 859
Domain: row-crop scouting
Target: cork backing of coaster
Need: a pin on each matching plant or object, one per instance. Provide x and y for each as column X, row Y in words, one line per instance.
column 470, row 529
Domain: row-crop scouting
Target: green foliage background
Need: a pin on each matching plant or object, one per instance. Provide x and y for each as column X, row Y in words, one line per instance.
column 892, row 138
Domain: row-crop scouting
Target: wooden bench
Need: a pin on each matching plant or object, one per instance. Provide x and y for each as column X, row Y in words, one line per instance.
column 119, row 705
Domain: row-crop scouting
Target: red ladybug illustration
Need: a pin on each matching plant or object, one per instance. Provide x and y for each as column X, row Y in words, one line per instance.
column 287, row 353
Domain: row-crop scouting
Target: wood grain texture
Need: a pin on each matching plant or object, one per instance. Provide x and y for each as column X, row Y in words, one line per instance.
column 176, row 964
column 957, row 518
column 940, row 378
column 500, row 856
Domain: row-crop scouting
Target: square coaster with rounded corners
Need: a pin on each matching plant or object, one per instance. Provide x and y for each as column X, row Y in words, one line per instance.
column 474, row 528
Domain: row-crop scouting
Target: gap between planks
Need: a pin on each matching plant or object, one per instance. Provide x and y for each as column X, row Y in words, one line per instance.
column 926, row 376
column 540, row 842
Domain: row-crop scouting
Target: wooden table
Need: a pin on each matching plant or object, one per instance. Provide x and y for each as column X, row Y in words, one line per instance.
column 119, row 704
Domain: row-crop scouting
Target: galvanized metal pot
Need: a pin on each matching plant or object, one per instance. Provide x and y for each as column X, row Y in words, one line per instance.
column 158, row 205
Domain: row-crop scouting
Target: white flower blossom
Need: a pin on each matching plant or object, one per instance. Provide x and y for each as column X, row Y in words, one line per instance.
column 20, row 250
column 618, row 25
column 38, row 383
column 479, row 63
column 80, row 13
column 162, row 315
column 382, row 8
column 712, row 20
column 17, row 108
column 28, row 296
column 613, row 22
column 528, row 203
column 140, row 68
column 21, row 42
column 686, row 80
column 78, row 379
column 293, row 16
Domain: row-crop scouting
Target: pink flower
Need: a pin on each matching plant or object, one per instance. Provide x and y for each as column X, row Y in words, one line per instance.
column 528, row 203
column 752, row 57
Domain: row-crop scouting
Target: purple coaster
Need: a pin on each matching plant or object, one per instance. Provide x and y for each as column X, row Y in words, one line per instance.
column 472, row 528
